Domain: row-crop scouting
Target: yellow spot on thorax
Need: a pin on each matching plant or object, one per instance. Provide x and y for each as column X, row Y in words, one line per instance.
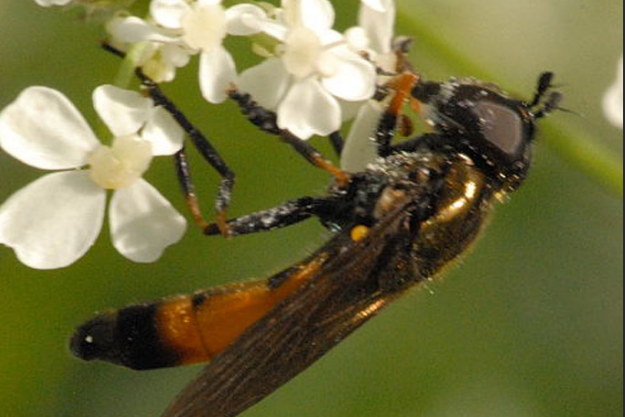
column 359, row 232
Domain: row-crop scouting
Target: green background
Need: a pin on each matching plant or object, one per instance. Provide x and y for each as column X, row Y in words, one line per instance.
column 529, row 325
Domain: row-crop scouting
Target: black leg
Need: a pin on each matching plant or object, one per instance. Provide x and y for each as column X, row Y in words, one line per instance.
column 267, row 121
column 337, row 142
column 208, row 152
column 111, row 49
column 315, row 158
column 183, row 171
column 283, row 215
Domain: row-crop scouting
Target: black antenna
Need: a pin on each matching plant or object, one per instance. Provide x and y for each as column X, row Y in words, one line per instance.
column 544, row 84
column 550, row 105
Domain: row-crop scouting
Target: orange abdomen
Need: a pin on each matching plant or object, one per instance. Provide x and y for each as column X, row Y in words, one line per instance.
column 185, row 329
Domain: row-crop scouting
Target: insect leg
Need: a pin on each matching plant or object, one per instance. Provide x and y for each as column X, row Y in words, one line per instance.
column 208, row 152
column 183, row 172
column 314, row 157
column 267, row 121
column 387, row 127
column 337, row 142
column 284, row 215
column 424, row 141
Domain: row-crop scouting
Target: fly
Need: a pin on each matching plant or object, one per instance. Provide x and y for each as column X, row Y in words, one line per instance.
column 397, row 224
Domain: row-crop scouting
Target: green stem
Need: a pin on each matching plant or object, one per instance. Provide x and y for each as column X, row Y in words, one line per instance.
column 586, row 155
column 126, row 71
column 580, row 150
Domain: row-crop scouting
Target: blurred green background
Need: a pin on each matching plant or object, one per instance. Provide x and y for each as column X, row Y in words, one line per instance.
column 529, row 325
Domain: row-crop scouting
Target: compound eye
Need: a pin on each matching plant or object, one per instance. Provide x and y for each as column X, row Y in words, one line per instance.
column 502, row 126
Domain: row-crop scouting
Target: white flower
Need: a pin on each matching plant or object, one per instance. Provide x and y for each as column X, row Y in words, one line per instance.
column 613, row 99
column 197, row 27
column 360, row 148
column 378, row 5
column 313, row 69
column 159, row 60
column 89, row 4
column 375, row 36
column 377, row 20
column 52, row 222
column 50, row 3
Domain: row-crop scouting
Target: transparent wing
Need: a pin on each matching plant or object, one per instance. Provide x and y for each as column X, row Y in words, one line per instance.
column 337, row 300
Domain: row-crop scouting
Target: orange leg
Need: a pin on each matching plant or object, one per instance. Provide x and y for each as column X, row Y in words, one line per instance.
column 402, row 85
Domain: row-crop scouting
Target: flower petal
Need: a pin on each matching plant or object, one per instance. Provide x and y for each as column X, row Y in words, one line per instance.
column 217, row 74
column 175, row 55
column 378, row 5
column 266, row 82
column 316, row 15
column 331, row 37
column 308, row 110
column 143, row 222
column 357, row 38
column 245, row 19
column 52, row 222
column 132, row 29
column 205, row 27
column 169, row 13
column 124, row 112
column 378, row 20
column 160, row 61
column 42, row 128
column 274, row 29
column 163, row 132
column 613, row 99
column 350, row 109
column 360, row 148
column 354, row 78
column 49, row 3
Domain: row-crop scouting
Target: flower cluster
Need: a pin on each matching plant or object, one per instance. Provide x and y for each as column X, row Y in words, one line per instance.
column 53, row 221
column 311, row 72
column 313, row 76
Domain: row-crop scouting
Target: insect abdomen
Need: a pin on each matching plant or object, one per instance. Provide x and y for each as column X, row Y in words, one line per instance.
column 185, row 329
column 127, row 337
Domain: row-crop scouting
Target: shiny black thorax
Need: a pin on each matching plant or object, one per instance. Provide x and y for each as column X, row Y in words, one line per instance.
column 444, row 197
column 479, row 151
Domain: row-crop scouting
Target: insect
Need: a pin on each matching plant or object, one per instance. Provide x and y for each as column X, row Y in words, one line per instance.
column 396, row 224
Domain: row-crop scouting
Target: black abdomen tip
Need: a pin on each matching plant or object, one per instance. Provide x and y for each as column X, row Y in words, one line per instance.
column 128, row 338
column 95, row 339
